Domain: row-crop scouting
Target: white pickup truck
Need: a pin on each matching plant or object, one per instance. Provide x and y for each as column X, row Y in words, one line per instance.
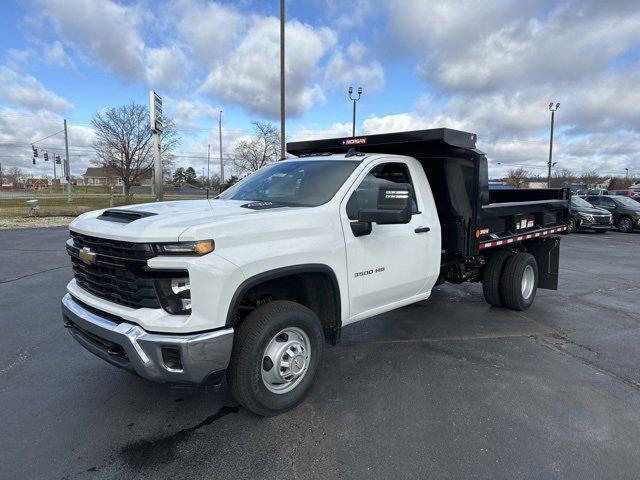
column 249, row 286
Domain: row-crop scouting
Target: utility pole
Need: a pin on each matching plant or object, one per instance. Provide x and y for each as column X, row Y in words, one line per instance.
column 549, row 165
column 626, row 174
column 208, row 171
column 354, row 100
column 220, row 144
column 66, row 161
column 282, row 103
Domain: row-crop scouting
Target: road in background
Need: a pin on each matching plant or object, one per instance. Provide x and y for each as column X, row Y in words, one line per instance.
column 446, row 388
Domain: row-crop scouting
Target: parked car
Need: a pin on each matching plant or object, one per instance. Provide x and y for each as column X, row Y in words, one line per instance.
column 624, row 210
column 586, row 216
column 625, row 192
column 252, row 284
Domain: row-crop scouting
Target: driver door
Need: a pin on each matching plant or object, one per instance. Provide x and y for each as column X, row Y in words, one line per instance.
column 392, row 262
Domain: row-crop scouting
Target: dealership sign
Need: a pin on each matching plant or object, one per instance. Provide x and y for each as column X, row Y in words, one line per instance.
column 155, row 101
column 354, row 141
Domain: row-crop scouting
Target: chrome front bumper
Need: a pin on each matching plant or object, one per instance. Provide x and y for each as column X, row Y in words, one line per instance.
column 198, row 358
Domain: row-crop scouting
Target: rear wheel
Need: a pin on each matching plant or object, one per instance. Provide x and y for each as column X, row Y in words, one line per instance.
column 519, row 281
column 491, row 277
column 276, row 352
column 624, row 224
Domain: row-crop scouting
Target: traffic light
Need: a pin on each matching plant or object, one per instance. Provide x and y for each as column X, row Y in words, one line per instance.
column 58, row 161
column 46, row 157
column 35, row 151
column 34, row 160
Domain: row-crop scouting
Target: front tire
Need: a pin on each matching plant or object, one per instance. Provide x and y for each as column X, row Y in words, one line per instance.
column 519, row 281
column 276, row 352
column 571, row 227
column 624, row 224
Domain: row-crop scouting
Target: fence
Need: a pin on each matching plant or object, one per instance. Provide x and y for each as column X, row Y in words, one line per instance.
column 53, row 202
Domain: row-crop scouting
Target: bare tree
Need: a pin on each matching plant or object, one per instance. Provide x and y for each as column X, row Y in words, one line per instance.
column 13, row 176
column 517, row 177
column 562, row 178
column 124, row 143
column 591, row 178
column 262, row 148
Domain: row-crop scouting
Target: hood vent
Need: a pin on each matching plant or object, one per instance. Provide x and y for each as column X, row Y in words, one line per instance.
column 123, row 216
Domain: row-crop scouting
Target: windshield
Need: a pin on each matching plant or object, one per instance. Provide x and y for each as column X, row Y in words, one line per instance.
column 628, row 202
column 306, row 183
column 580, row 203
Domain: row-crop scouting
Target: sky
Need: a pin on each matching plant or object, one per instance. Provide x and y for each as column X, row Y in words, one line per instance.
column 487, row 67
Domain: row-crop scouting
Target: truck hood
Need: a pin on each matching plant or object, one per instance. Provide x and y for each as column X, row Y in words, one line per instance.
column 591, row 211
column 166, row 221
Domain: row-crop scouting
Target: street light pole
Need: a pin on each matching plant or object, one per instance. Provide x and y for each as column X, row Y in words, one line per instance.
column 67, row 165
column 354, row 100
column 208, row 172
column 220, row 144
column 282, row 90
column 553, row 109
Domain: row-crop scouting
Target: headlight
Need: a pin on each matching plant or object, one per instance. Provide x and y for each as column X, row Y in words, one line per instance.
column 186, row 248
column 587, row 217
column 175, row 293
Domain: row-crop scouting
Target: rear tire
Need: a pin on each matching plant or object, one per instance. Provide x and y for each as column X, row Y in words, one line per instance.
column 491, row 277
column 266, row 332
column 519, row 281
column 624, row 224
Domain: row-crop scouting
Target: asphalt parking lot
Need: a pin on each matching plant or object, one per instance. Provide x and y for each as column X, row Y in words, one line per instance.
column 448, row 388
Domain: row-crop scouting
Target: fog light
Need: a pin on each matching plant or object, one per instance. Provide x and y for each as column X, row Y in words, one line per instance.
column 179, row 285
column 186, row 303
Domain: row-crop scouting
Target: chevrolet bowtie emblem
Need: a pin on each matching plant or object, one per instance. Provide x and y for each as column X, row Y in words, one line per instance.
column 87, row 256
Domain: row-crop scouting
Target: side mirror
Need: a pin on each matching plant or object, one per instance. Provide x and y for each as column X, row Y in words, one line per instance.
column 393, row 207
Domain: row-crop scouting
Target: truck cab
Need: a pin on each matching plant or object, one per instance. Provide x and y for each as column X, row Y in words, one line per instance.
column 251, row 286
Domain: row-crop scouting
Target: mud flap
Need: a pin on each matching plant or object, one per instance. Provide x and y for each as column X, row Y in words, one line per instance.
column 546, row 251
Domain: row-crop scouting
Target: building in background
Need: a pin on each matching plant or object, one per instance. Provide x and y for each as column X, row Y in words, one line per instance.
column 103, row 176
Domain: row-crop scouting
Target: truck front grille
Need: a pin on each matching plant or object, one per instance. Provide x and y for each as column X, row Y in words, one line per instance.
column 116, row 284
column 114, row 249
column 119, row 272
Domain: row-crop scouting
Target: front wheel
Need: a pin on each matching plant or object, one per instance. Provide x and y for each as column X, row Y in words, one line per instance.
column 571, row 227
column 624, row 224
column 276, row 352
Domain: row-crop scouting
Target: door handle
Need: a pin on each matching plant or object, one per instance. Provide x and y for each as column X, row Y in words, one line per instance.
column 422, row 229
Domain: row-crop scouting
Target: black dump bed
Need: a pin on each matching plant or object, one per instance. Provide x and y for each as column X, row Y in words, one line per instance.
column 472, row 217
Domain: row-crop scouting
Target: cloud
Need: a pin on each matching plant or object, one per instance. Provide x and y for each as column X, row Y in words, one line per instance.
column 208, row 28
column 249, row 74
column 55, row 55
column 354, row 67
column 516, row 41
column 26, row 91
column 103, row 29
column 19, row 128
column 165, row 66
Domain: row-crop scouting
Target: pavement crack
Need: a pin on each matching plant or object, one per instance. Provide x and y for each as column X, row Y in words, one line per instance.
column 33, row 274
column 556, row 343
column 151, row 452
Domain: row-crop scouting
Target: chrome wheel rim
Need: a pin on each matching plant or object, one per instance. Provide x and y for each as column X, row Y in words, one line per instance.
column 285, row 360
column 625, row 224
column 528, row 279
